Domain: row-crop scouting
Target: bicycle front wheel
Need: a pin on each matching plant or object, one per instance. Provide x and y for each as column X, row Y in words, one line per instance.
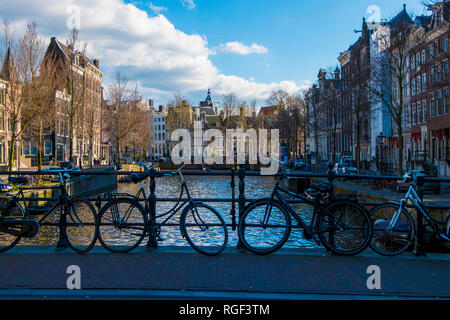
column 81, row 225
column 10, row 209
column 344, row 228
column 204, row 229
column 265, row 227
column 388, row 239
column 122, row 225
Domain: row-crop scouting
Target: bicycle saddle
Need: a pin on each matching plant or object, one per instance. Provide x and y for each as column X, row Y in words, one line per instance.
column 322, row 188
column 18, row 180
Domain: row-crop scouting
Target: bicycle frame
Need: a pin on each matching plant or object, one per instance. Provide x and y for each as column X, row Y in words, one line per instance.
column 412, row 196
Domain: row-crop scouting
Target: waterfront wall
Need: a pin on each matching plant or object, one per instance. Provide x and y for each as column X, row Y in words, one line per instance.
column 88, row 185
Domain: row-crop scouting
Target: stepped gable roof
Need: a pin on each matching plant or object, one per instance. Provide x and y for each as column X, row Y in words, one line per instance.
column 267, row 111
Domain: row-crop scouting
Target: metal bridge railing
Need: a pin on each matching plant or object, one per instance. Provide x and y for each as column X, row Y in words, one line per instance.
column 242, row 200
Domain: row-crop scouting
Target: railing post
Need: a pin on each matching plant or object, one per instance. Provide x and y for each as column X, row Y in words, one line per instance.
column 152, row 242
column 331, row 175
column 241, row 199
column 233, row 204
column 420, row 244
column 62, row 241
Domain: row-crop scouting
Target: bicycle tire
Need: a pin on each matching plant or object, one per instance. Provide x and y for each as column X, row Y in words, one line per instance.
column 129, row 243
column 8, row 241
column 212, row 219
column 81, row 214
column 406, row 236
column 358, row 234
column 246, row 239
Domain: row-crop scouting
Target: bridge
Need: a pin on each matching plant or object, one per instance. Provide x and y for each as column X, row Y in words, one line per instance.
column 180, row 273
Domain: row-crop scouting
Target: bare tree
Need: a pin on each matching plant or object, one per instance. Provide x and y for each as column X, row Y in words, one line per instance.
column 30, row 89
column 123, row 108
column 311, row 99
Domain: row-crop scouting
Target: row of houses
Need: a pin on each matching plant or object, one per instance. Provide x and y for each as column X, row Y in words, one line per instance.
column 377, row 81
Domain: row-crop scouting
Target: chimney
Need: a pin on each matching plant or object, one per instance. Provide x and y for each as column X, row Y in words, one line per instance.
column 151, row 103
column 96, row 63
column 161, row 108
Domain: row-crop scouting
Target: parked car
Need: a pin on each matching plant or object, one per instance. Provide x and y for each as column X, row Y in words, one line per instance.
column 344, row 168
column 68, row 165
column 299, row 165
column 5, row 187
column 402, row 186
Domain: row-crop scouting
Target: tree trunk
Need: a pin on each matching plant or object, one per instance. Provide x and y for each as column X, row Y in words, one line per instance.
column 358, row 148
column 400, row 148
column 11, row 153
column 71, row 140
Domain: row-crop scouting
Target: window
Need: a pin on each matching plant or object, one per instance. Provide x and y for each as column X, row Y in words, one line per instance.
column 414, row 114
column 419, row 113
column 446, row 100
column 445, row 44
column 33, row 149
column 423, row 57
column 2, row 120
column 424, row 82
column 11, row 125
column 419, row 85
column 436, row 46
column 438, row 103
column 431, row 105
column 413, row 86
column 424, row 110
column 2, row 97
column 431, row 51
column 431, row 75
column 26, row 148
column 47, row 148
column 413, row 62
column 406, row 91
column 418, row 59
column 438, row 73
column 394, row 90
column 445, row 70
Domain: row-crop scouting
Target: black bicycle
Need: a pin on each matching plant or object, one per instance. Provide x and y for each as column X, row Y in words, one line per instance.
column 124, row 222
column 340, row 224
column 77, row 217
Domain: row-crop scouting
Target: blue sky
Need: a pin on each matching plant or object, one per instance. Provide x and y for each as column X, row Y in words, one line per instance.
column 301, row 36
column 246, row 47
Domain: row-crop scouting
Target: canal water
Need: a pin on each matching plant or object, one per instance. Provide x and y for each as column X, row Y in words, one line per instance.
column 199, row 187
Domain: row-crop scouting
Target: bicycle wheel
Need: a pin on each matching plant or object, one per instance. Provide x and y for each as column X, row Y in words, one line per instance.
column 265, row 226
column 10, row 209
column 122, row 225
column 204, row 229
column 81, row 225
column 391, row 241
column 344, row 228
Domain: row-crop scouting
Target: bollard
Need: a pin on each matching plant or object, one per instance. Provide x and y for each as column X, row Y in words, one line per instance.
column 152, row 241
column 233, row 204
column 241, row 199
column 420, row 241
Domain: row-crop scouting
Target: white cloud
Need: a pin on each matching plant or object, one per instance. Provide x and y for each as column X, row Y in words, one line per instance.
column 156, row 9
column 190, row 4
column 148, row 50
column 240, row 48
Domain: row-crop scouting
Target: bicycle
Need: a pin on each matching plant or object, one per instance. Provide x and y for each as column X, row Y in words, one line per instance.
column 395, row 227
column 124, row 222
column 77, row 217
column 341, row 225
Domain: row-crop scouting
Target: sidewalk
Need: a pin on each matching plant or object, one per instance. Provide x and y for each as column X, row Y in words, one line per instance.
column 174, row 273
